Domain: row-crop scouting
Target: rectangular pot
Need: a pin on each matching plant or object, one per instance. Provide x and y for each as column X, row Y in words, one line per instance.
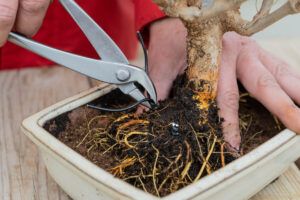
column 82, row 179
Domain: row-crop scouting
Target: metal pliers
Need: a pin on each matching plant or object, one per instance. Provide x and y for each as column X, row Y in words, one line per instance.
column 113, row 67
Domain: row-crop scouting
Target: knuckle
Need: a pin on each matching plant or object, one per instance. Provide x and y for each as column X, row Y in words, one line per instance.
column 33, row 6
column 230, row 100
column 7, row 15
column 265, row 82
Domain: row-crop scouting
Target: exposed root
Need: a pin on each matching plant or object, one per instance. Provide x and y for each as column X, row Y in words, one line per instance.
column 131, row 134
column 205, row 161
column 222, row 155
column 119, row 169
column 154, row 170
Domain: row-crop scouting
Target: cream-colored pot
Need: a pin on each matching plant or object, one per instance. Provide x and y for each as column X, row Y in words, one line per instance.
column 81, row 179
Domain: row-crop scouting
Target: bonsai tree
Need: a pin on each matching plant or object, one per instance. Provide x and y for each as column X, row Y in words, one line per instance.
column 206, row 22
column 168, row 148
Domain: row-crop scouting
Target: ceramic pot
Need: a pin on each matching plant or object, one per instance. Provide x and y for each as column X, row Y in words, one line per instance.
column 82, row 179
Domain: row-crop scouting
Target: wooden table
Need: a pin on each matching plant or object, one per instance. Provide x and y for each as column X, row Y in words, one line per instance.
column 23, row 174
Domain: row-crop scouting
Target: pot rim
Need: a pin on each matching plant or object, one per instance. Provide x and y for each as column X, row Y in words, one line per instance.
column 33, row 128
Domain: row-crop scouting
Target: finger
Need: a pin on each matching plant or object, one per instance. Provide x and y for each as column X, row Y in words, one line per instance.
column 30, row 16
column 228, row 97
column 287, row 77
column 264, row 87
column 8, row 11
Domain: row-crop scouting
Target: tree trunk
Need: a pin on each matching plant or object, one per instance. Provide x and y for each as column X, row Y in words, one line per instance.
column 204, row 46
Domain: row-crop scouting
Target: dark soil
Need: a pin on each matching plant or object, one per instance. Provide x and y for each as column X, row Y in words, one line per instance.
column 148, row 151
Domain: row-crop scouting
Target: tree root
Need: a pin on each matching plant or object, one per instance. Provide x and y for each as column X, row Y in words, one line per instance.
column 136, row 143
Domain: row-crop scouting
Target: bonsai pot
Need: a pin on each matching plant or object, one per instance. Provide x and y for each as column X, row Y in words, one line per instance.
column 81, row 179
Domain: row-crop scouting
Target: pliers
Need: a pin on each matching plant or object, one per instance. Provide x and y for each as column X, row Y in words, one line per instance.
column 113, row 67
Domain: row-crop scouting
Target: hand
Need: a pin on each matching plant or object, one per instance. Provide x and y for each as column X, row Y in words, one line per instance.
column 270, row 80
column 167, row 54
column 23, row 16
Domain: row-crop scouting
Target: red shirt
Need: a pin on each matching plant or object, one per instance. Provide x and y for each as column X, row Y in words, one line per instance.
column 119, row 18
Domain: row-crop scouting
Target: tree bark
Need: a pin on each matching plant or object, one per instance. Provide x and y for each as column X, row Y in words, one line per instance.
column 204, row 46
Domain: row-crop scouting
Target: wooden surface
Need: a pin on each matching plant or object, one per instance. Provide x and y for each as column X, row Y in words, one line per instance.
column 23, row 174
column 286, row 187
